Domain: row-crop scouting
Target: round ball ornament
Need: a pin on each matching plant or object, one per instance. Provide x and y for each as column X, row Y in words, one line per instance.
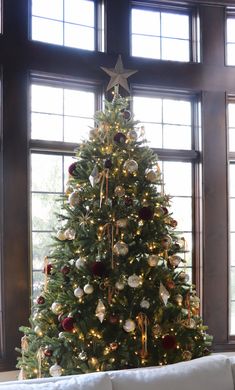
column 146, row 213
column 153, row 260
column 38, row 331
column 120, row 248
column 170, row 284
column 151, row 175
column 174, row 260
column 98, row 268
column 183, row 276
column 166, row 242
column 70, row 234
column 119, row 191
column 126, row 115
column 187, row 355
column 122, row 223
column 60, row 235
column 132, row 135
column 48, row 351
column 67, row 324
column 82, row 356
column 72, row 169
column 55, row 370
column 80, row 263
column 119, row 138
column 56, row 308
column 130, row 166
column 134, row 281
column 129, row 325
column 78, row 292
column 156, row 330
column 145, row 304
column 168, row 342
column 179, row 299
column 108, row 163
column 88, row 289
column 74, row 199
column 65, row 270
column 190, row 323
column 40, row 300
column 119, row 285
column 113, row 319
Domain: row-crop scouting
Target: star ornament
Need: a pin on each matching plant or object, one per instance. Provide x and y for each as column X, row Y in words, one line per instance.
column 118, row 75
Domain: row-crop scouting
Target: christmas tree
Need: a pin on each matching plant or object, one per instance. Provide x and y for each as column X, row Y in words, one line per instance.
column 113, row 295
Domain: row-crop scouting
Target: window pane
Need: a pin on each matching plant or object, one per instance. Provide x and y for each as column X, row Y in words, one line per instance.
column 77, row 129
column 230, row 54
column 46, row 99
column 47, row 127
column 230, row 30
column 145, row 22
column 41, row 245
column 78, row 103
column 145, row 46
column 38, row 280
column 175, row 26
column 47, row 173
column 178, row 178
column 182, row 211
column 147, row 109
column 232, row 179
column 231, row 115
column 46, row 30
column 175, row 49
column 177, row 112
column 177, row 137
column 153, row 134
column 79, row 12
column 77, row 36
column 52, row 9
column 43, row 208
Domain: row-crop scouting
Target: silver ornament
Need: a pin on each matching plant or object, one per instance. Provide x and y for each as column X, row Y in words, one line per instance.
column 82, row 356
column 88, row 288
column 80, row 263
column 56, row 307
column 70, row 234
column 174, row 260
column 164, row 294
column 132, row 135
column 119, row 191
column 74, row 199
column 120, row 248
column 153, row 260
column 61, row 335
column 134, row 281
column 129, row 325
column 190, row 323
column 55, row 370
column 94, row 176
column 151, row 175
column 130, row 166
column 38, row 331
column 78, row 292
column 187, row 355
column 60, row 235
column 156, row 330
column 183, row 276
column 100, row 310
column 145, row 304
column 119, row 285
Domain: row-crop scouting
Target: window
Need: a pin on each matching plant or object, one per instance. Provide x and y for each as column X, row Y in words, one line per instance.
column 63, row 114
column 65, row 22
column 162, row 34
column 230, row 36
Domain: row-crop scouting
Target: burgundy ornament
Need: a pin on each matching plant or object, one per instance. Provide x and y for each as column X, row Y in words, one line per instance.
column 47, row 269
column 164, row 210
column 72, row 169
column 119, row 138
column 113, row 319
column 146, row 213
column 108, row 163
column 65, row 270
column 126, row 115
column 169, row 342
column 40, row 300
column 67, row 324
column 48, row 352
column 98, row 268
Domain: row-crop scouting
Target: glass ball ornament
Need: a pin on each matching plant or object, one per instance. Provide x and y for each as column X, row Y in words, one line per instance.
column 48, row 351
column 55, row 370
column 129, row 325
column 183, row 276
column 190, row 323
column 120, row 248
column 70, row 234
column 130, row 166
column 56, row 308
column 119, row 191
column 132, row 135
column 40, row 300
column 88, row 289
column 82, row 356
column 120, row 285
column 134, row 281
column 122, row 223
column 153, row 260
column 126, row 115
column 38, row 331
column 78, row 292
column 80, row 263
column 74, row 199
column 174, row 260
column 145, row 304
column 151, row 175
column 72, row 169
column 146, row 213
column 156, row 330
column 61, row 235
column 119, row 138
column 68, row 324
column 187, row 355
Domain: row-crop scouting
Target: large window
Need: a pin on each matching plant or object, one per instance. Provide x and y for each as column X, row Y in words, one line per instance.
column 230, row 36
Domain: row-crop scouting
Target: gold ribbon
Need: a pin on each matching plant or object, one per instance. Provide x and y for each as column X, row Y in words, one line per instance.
column 40, row 356
column 142, row 320
column 24, row 343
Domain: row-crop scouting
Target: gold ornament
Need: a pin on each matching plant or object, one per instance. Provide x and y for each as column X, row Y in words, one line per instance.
column 190, row 323
column 120, row 248
column 88, row 288
column 153, row 260
column 38, row 331
column 151, row 175
column 156, row 330
column 187, row 355
column 61, row 236
column 119, row 285
column 74, row 199
column 174, row 260
column 179, row 299
column 93, row 362
column 130, row 166
column 132, row 135
column 119, row 191
column 56, row 308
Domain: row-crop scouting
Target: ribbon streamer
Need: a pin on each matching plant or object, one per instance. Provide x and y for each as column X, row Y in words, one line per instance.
column 107, row 228
column 40, row 356
column 143, row 326
column 104, row 176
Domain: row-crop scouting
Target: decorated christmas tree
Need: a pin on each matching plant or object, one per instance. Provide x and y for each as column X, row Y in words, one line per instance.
column 114, row 295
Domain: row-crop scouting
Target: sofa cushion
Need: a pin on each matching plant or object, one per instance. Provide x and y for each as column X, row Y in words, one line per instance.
column 209, row 373
column 94, row 381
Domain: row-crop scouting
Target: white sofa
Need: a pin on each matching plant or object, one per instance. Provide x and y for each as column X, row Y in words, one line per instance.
column 215, row 372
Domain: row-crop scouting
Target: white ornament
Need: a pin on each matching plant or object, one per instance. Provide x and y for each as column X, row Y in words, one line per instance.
column 74, row 199
column 88, row 288
column 80, row 263
column 151, row 175
column 82, row 356
column 130, row 166
column 153, row 260
column 55, row 370
column 100, row 311
column 94, row 176
column 56, row 307
column 134, row 281
column 129, row 325
column 164, row 294
column 120, row 248
column 70, row 234
column 78, row 292
column 145, row 304
column 120, row 285
column 61, row 335
column 60, row 235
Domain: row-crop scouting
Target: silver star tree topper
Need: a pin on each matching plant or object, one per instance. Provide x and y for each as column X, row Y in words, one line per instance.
column 119, row 75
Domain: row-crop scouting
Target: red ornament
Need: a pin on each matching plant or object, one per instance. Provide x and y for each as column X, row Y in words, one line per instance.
column 72, row 169
column 98, row 268
column 119, row 138
column 146, row 213
column 40, row 300
column 67, row 324
column 169, row 342
column 113, row 319
column 48, row 352
column 47, row 269
column 65, row 270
